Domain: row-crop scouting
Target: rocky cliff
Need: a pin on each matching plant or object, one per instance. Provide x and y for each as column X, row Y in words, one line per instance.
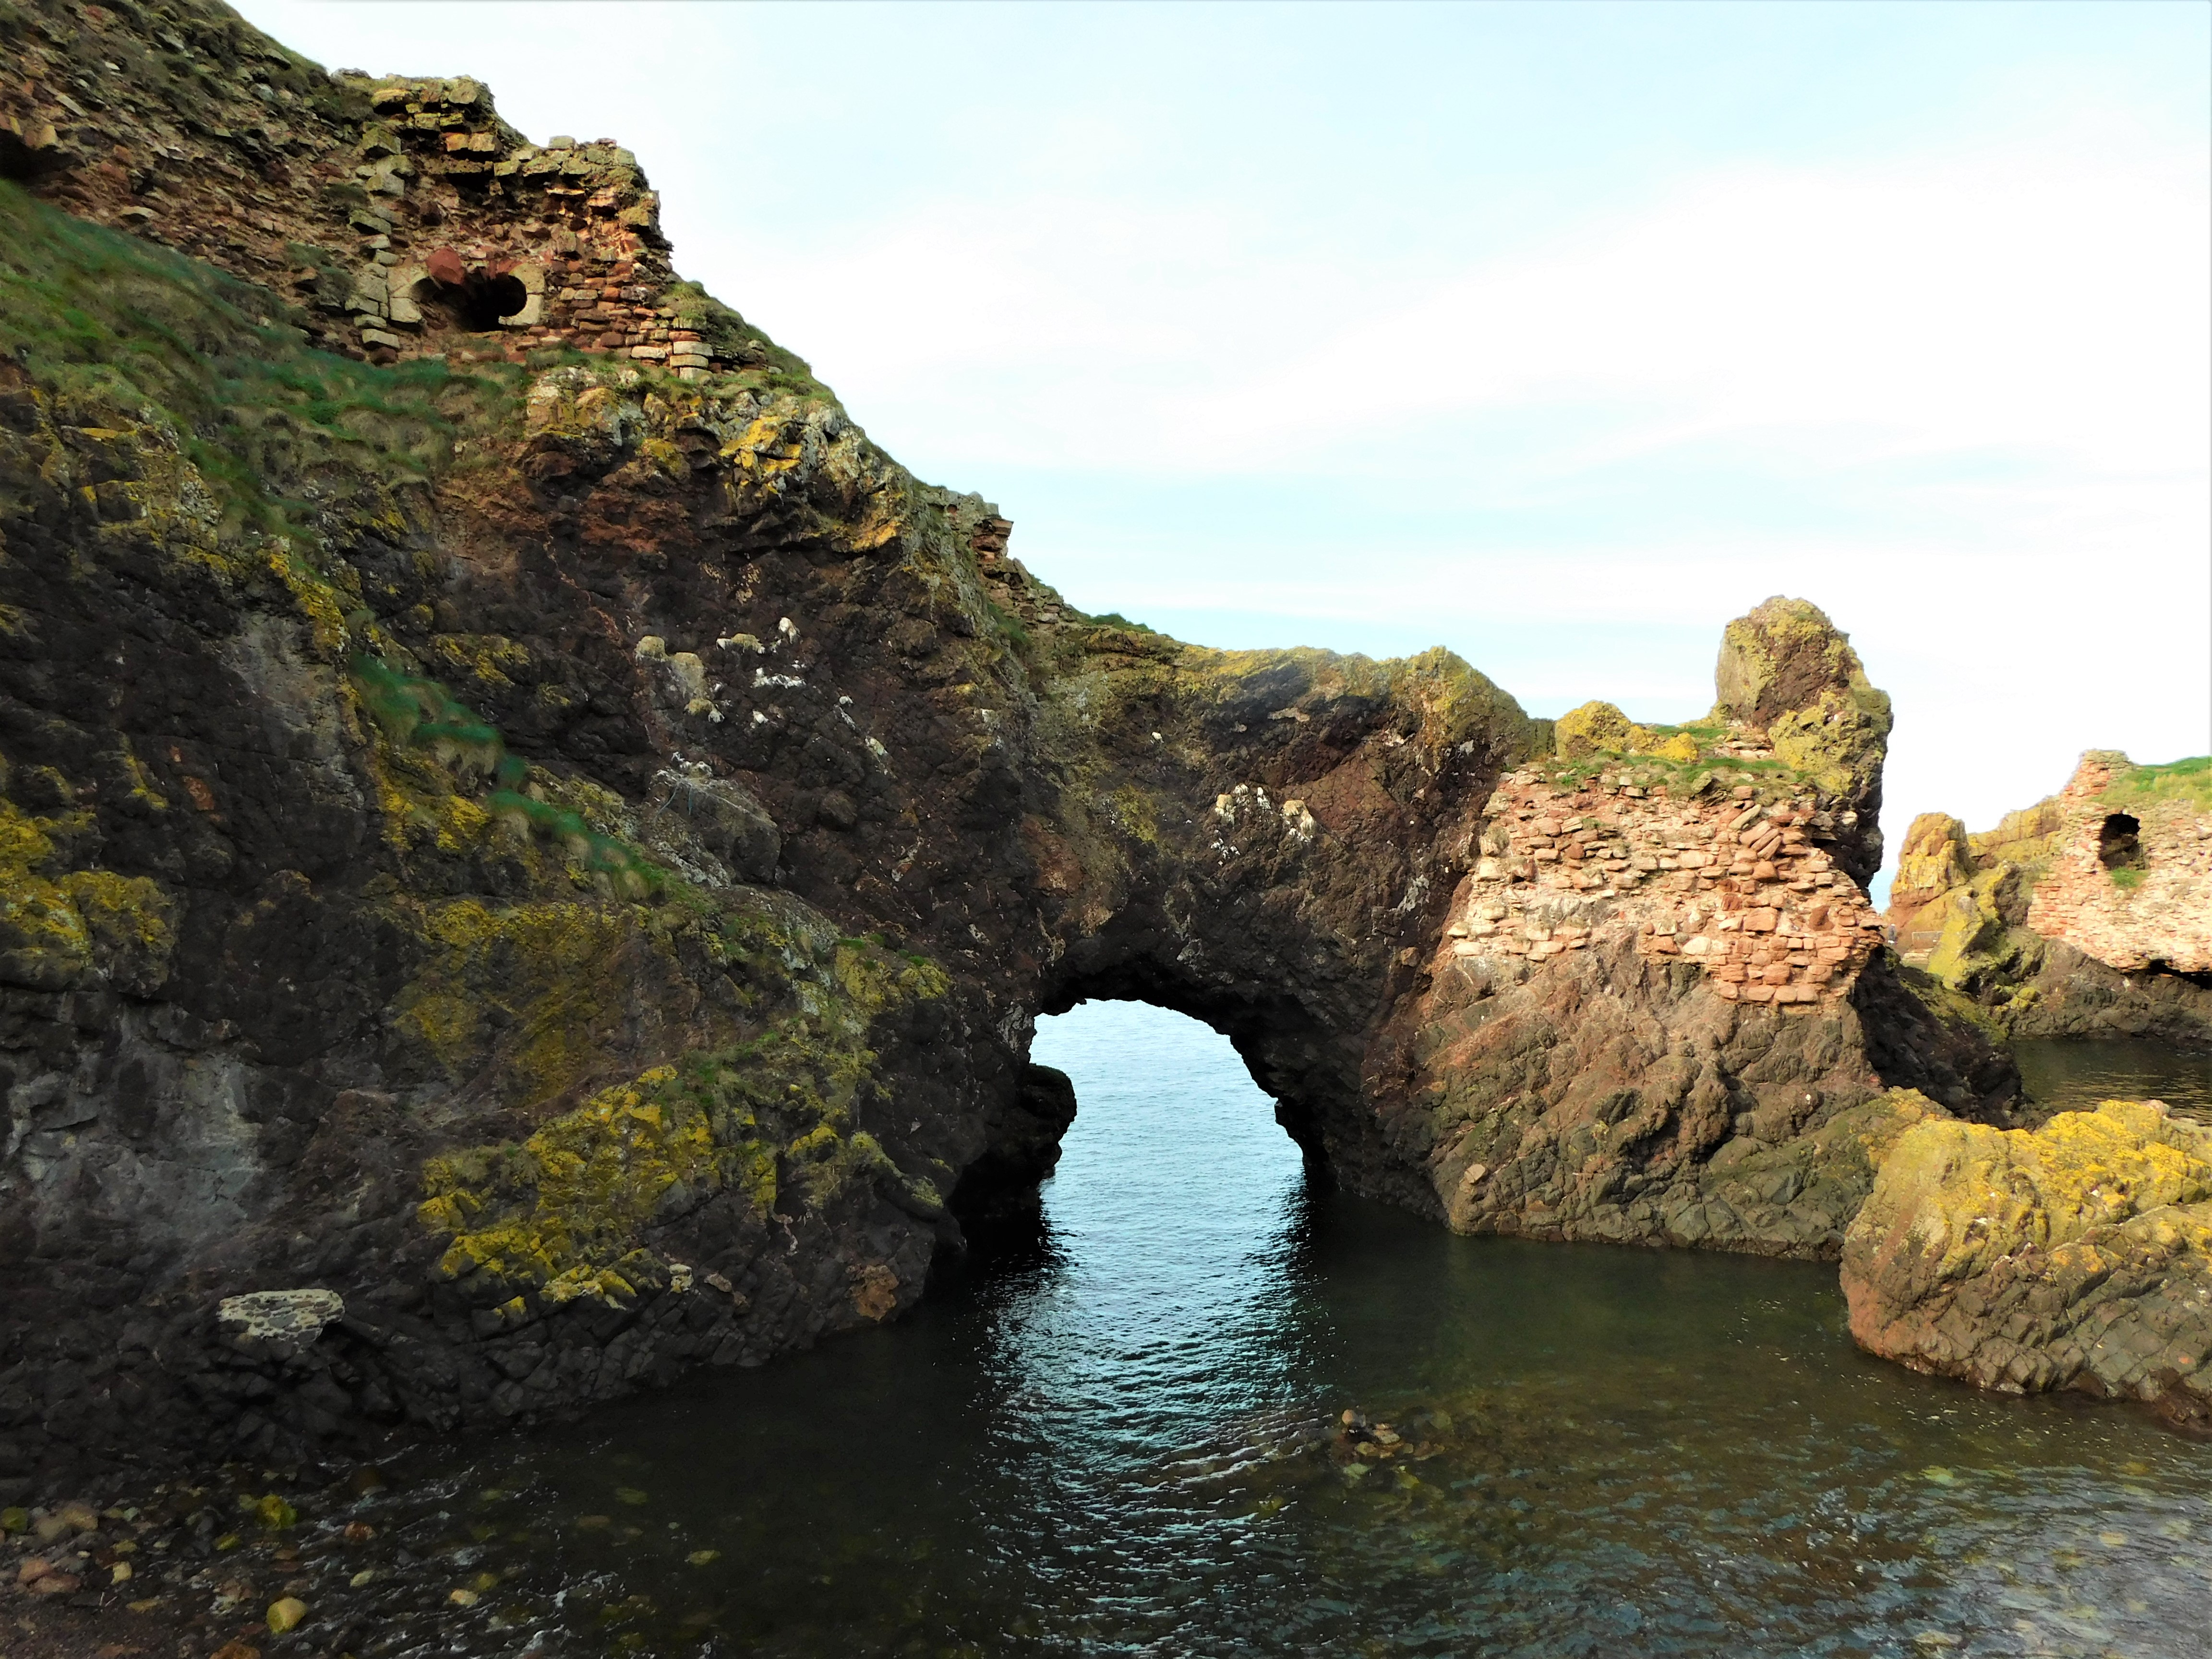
column 533, row 849
column 2086, row 914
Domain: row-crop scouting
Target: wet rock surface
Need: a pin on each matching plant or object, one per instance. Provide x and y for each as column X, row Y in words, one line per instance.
column 2077, row 1256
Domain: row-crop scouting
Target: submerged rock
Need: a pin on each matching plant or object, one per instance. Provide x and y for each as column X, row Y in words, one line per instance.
column 2077, row 1255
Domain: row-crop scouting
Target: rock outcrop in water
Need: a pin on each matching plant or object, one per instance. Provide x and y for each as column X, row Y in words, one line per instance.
column 2086, row 914
column 554, row 859
column 2078, row 1256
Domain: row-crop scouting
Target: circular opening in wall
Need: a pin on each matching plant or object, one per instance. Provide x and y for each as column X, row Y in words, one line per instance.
column 478, row 304
column 2119, row 846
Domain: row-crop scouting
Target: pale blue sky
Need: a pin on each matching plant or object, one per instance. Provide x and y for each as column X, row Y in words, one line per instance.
column 1555, row 333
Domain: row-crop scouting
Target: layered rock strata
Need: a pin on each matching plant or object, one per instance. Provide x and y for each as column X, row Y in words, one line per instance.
column 2075, row 1257
column 548, row 869
column 2086, row 914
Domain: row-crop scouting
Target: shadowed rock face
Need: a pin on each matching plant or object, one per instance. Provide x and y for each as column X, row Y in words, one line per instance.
column 566, row 858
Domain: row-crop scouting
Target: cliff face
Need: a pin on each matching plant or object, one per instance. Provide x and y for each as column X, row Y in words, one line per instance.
column 2087, row 914
column 556, row 861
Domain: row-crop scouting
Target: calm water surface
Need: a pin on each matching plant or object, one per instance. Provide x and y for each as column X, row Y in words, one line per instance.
column 1126, row 1440
column 2068, row 1077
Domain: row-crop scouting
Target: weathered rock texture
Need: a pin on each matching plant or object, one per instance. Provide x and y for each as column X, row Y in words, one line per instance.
column 2130, row 875
column 2086, row 914
column 2078, row 1256
column 1658, row 992
column 563, row 858
column 402, row 217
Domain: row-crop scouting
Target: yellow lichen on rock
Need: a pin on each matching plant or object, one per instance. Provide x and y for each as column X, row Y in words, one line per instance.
column 56, row 926
column 1785, row 670
column 1601, row 728
column 542, row 969
column 1971, row 1193
column 487, row 657
column 2077, row 1255
column 589, row 1180
column 567, row 1210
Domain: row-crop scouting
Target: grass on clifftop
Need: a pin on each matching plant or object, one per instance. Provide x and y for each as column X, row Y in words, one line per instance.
column 94, row 314
column 2189, row 780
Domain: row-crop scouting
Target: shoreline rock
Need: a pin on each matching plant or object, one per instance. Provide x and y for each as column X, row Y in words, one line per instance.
column 562, row 855
column 2077, row 1256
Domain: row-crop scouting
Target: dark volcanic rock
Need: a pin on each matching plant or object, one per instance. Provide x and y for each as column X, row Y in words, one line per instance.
column 568, row 857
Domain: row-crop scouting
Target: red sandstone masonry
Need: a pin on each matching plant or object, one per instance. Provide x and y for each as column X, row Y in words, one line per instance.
column 402, row 215
column 1729, row 884
column 2166, row 917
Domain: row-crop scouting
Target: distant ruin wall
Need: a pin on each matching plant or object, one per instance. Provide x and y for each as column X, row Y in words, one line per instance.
column 2129, row 881
column 399, row 217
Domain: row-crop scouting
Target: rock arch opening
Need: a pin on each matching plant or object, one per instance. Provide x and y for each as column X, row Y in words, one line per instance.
column 1173, row 1139
column 2119, row 843
column 1235, row 1034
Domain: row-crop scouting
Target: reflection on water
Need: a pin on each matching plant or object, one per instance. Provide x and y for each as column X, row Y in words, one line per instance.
column 1128, row 1440
column 2068, row 1077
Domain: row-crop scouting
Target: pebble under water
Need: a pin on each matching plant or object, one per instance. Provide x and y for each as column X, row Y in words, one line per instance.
column 1127, row 1438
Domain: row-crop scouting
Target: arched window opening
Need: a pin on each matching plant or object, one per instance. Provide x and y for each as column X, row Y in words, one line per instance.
column 478, row 304
column 2119, row 845
column 26, row 159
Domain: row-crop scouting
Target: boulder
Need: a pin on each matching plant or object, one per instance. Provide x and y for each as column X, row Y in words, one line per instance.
column 295, row 1317
column 2074, row 1257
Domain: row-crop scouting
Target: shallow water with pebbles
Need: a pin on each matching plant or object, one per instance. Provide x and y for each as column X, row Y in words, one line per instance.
column 1127, row 1436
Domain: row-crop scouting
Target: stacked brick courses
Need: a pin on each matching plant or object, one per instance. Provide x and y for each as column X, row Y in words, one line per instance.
column 1739, row 886
column 573, row 226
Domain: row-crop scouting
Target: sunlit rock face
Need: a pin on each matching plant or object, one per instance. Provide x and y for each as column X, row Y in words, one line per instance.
column 1660, row 986
column 2131, row 876
column 2086, row 914
column 2078, row 1256
column 563, row 857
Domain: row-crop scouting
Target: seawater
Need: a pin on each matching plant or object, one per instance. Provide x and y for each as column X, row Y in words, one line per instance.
column 2060, row 1076
column 1121, row 1436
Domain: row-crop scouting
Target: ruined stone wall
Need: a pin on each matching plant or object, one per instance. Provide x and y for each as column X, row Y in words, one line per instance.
column 1733, row 885
column 2130, row 897
column 2052, row 930
column 389, row 218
